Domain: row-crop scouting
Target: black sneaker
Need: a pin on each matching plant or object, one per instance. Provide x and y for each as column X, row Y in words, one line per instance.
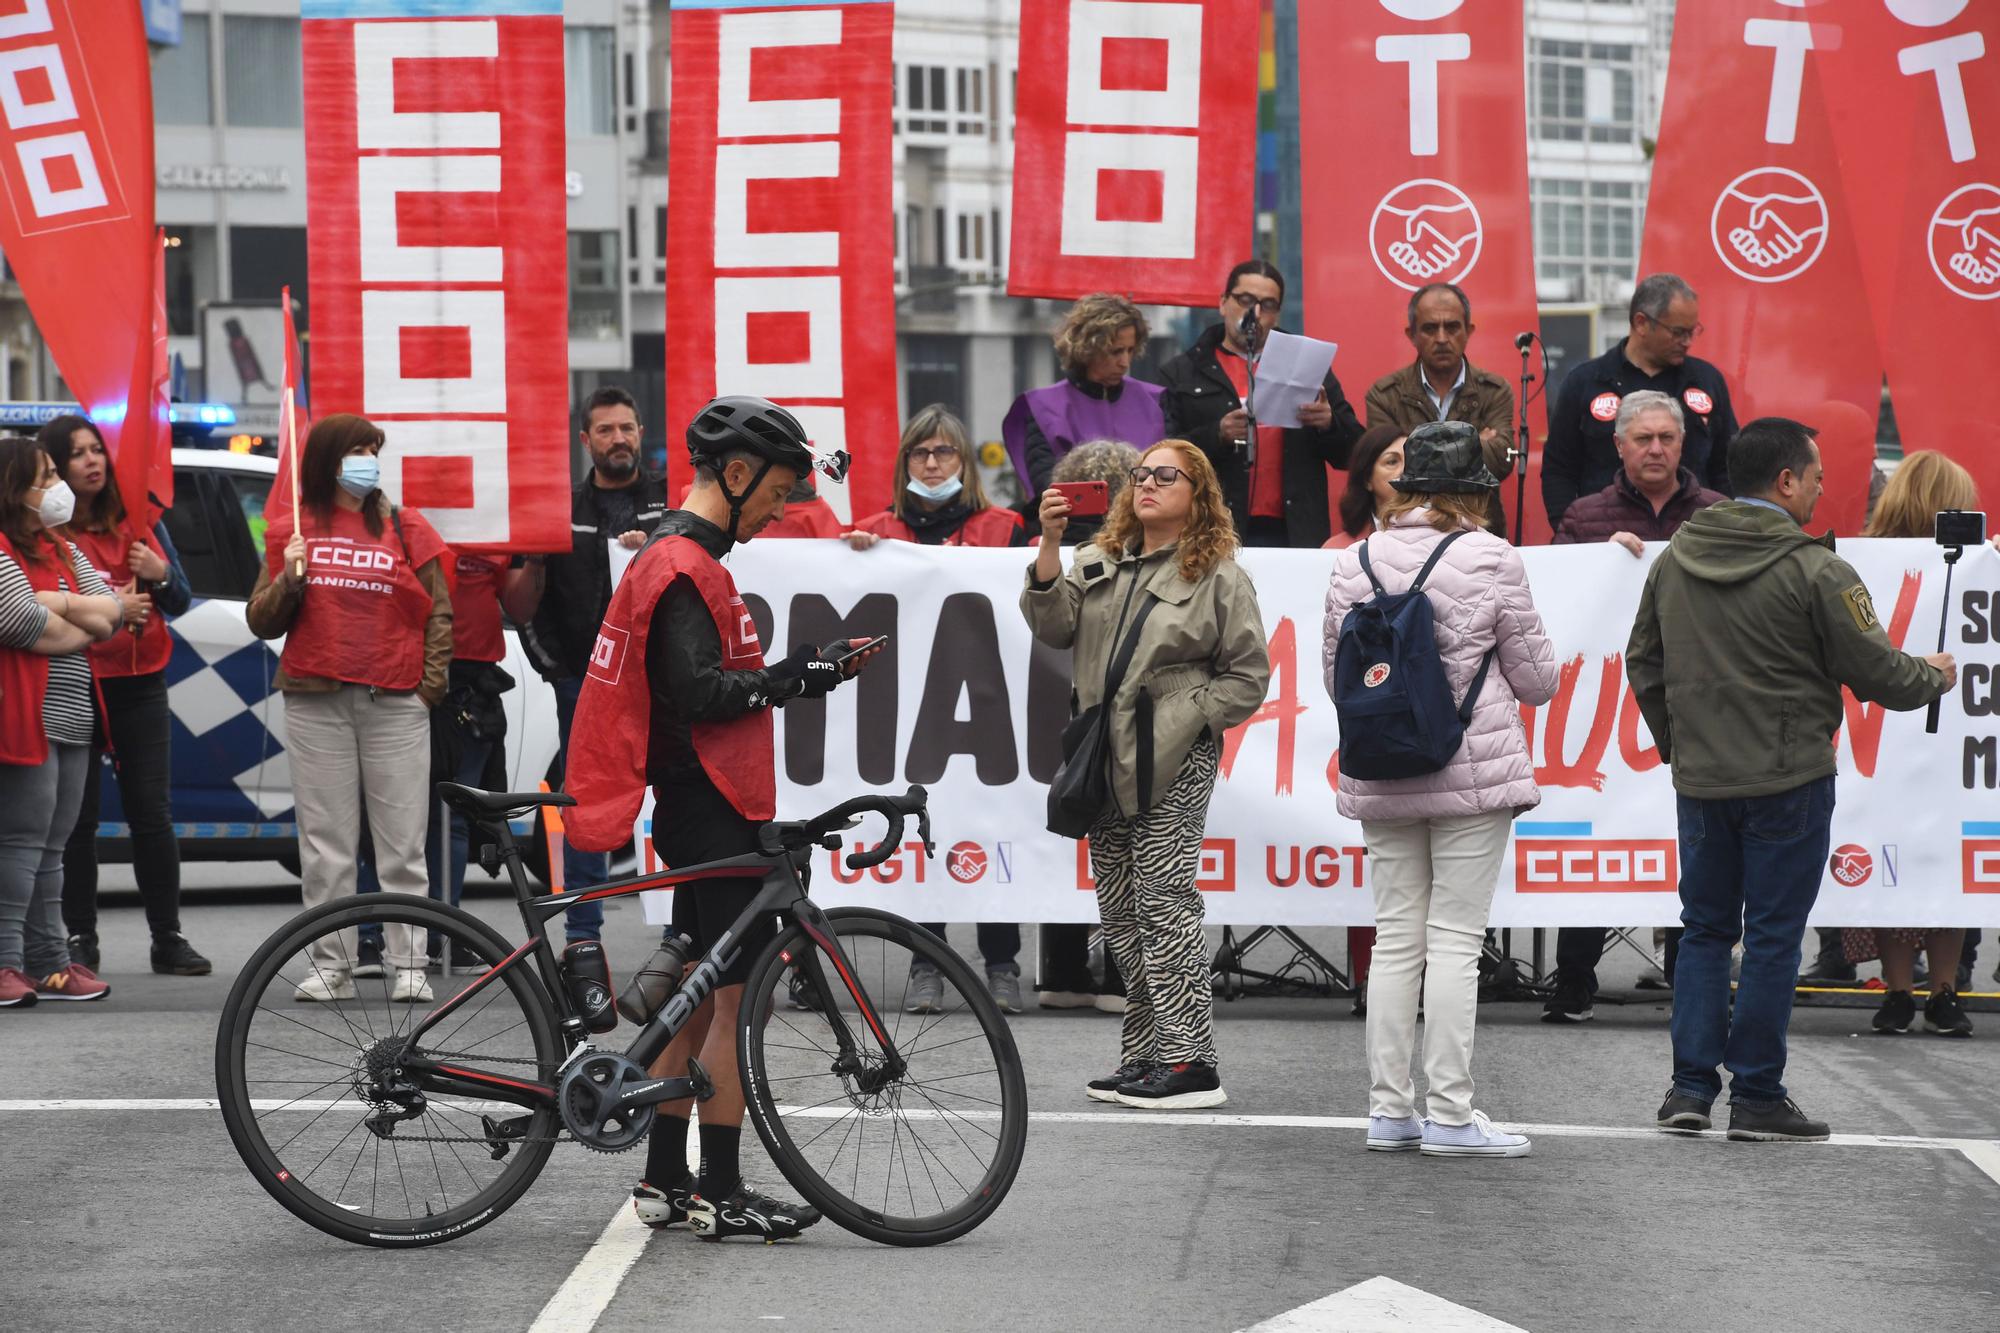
column 663, row 1208
column 1828, row 970
column 1570, row 1004
column 1106, row 1089
column 1773, row 1122
column 1944, row 1016
column 464, row 962
column 1179, row 1087
column 173, row 956
column 748, row 1213
column 1683, row 1113
column 369, row 959
column 1898, row 1011
column 83, row 949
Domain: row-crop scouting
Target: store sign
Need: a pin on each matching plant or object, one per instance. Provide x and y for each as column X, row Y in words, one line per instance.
column 190, row 176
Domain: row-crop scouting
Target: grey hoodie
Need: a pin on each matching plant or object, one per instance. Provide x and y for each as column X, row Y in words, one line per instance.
column 1746, row 632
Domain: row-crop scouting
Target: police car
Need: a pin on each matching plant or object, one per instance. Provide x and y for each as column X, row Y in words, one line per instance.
column 232, row 777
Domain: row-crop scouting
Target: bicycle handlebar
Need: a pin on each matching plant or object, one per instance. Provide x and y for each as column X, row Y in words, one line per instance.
column 895, row 809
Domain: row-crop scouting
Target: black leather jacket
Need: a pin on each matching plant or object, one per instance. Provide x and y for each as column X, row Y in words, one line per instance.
column 577, row 591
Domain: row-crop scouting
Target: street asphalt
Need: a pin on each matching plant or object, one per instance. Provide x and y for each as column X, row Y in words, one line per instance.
column 142, row 1217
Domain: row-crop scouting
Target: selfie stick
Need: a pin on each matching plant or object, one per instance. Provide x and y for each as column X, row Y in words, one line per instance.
column 1951, row 555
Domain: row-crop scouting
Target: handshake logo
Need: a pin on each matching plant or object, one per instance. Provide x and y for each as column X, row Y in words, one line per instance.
column 1769, row 225
column 1425, row 231
column 1965, row 242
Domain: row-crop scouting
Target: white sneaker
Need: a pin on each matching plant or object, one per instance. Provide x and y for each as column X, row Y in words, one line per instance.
column 1387, row 1133
column 325, row 986
column 1478, row 1139
column 1109, row 1004
column 1065, row 999
column 412, row 987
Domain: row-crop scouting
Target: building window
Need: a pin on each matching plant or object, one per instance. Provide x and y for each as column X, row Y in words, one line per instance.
column 971, row 87
column 925, row 86
column 934, row 370
column 260, row 72
column 1585, row 93
column 191, row 277
column 593, row 286
column 181, row 77
column 589, row 65
column 1587, row 234
column 265, row 260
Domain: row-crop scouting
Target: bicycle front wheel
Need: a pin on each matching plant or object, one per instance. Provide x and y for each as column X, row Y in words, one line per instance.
column 917, row 1160
column 308, row 1069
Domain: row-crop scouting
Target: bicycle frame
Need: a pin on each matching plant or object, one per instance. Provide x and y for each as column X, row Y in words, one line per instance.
column 783, row 894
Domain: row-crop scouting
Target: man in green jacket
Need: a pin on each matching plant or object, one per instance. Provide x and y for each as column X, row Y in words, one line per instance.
column 1747, row 630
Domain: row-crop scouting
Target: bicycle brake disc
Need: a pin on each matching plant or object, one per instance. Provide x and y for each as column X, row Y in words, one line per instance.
column 588, row 1097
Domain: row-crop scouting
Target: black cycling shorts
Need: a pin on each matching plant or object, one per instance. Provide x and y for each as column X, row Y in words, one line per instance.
column 693, row 825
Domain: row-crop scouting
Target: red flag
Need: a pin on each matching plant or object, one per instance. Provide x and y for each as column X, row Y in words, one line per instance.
column 1913, row 89
column 1135, row 148
column 1747, row 204
column 291, row 433
column 76, row 169
column 158, row 490
column 1414, row 169
column 781, row 272
column 439, row 254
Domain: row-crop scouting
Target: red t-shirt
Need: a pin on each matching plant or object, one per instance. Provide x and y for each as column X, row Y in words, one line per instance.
column 475, row 608
column 362, row 618
column 1267, row 474
column 124, row 654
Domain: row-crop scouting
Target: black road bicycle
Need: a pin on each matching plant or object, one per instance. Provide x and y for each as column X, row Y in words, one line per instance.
column 392, row 1118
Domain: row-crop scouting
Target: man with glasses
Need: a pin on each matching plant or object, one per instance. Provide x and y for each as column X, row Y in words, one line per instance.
column 1443, row 385
column 1278, row 494
column 1581, row 458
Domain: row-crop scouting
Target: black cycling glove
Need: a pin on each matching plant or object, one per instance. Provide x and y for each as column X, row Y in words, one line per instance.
column 807, row 674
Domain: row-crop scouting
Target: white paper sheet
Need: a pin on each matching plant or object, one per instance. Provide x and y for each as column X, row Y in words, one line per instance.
column 620, row 558
column 1290, row 373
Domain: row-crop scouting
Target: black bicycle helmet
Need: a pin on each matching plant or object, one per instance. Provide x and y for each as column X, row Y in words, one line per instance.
column 740, row 423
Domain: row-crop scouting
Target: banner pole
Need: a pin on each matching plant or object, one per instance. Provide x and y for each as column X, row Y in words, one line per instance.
column 290, row 431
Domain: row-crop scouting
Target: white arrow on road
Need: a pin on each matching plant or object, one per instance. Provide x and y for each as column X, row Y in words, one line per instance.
column 1382, row 1305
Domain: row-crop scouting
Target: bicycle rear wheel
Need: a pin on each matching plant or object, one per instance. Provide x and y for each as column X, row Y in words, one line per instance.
column 312, row 1096
column 922, row 1159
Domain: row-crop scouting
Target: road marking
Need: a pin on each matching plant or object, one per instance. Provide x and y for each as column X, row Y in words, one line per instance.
column 586, row 1293
column 1382, row 1305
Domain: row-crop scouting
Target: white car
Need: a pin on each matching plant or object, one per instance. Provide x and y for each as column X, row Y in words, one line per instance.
column 232, row 797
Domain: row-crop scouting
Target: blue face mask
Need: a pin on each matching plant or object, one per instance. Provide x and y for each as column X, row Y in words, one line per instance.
column 944, row 490
column 360, row 474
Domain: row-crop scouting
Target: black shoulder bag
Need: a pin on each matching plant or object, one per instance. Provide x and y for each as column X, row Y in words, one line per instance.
column 1081, row 788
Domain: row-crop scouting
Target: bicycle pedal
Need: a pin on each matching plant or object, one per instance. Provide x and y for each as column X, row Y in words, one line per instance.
column 502, row 1134
column 704, row 1086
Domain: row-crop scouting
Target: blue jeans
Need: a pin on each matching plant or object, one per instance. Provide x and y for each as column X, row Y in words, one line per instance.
column 1750, row 869
column 581, row 870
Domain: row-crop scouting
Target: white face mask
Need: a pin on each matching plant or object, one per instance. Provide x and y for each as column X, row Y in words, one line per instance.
column 58, row 504
column 944, row 490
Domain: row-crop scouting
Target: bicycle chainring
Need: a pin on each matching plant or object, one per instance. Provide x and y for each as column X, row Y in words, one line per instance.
column 590, row 1090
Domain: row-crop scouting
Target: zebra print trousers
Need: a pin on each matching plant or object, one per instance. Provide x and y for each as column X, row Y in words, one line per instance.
column 1152, row 913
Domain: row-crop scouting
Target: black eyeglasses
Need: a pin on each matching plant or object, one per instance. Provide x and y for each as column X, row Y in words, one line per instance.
column 1680, row 333
column 1165, row 474
column 943, row 453
column 1246, row 301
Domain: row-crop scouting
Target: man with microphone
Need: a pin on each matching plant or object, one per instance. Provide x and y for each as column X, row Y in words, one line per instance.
column 1442, row 385
column 1276, row 485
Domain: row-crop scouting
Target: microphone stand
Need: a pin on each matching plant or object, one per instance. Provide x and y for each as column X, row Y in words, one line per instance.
column 1524, row 342
column 1253, row 343
column 1951, row 555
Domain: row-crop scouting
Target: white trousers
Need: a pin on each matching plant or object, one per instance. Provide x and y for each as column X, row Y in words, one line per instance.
column 346, row 747
column 1433, row 881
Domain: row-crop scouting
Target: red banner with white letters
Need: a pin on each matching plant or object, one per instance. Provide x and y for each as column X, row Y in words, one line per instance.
column 76, row 223
column 439, row 254
column 1414, row 169
column 1913, row 90
column 1748, row 204
column 781, row 271
column 1135, row 148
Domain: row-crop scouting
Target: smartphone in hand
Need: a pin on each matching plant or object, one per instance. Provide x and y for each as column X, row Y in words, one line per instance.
column 1087, row 499
column 846, row 650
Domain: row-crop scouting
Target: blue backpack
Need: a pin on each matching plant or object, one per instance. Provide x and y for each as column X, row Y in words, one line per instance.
column 1397, row 718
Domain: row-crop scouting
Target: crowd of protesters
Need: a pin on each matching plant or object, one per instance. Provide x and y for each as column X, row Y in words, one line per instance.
column 392, row 681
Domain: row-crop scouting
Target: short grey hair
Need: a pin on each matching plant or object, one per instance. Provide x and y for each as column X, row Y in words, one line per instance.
column 1657, row 291
column 1464, row 302
column 1108, row 461
column 1648, row 400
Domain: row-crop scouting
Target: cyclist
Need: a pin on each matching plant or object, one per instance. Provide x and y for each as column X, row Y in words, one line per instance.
column 696, row 725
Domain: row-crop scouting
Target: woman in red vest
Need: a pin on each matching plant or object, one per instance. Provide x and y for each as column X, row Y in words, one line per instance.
column 52, row 607
column 368, row 637
column 938, row 501
column 134, row 721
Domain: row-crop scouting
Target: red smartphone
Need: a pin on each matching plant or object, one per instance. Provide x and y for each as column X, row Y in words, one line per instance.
column 1087, row 499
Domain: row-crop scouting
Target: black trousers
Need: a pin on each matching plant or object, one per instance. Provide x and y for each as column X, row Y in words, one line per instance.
column 1579, row 949
column 136, row 716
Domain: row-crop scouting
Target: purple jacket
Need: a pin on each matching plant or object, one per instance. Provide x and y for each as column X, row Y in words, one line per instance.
column 1066, row 415
column 1479, row 597
column 1620, row 508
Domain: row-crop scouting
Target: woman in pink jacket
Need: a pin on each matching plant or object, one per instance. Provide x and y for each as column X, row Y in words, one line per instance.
column 1435, row 843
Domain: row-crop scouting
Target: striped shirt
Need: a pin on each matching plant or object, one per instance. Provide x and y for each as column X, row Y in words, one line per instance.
column 68, row 713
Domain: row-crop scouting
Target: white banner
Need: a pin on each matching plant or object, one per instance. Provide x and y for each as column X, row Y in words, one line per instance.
column 965, row 703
